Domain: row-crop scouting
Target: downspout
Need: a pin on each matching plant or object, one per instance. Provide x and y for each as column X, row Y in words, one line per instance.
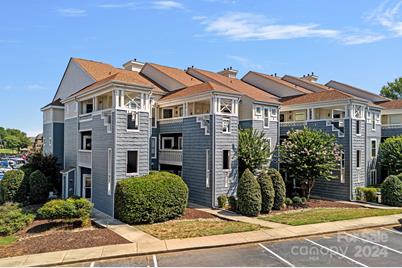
column 213, row 157
column 350, row 153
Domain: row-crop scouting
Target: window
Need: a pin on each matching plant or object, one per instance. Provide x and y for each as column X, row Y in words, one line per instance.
column 167, row 143
column 274, row 114
column 358, row 126
column 226, row 125
column 310, row 114
column 154, row 117
column 207, row 171
column 282, row 117
column 181, row 111
column 180, row 143
column 373, row 121
column 109, row 171
column 373, row 176
column 226, row 159
column 258, row 110
column 266, row 117
column 167, row 113
column 86, row 140
column 225, row 106
column 358, row 159
column 132, row 121
column 153, row 147
column 358, row 111
column 87, row 185
column 373, row 148
column 132, row 162
column 300, row 116
column 343, row 167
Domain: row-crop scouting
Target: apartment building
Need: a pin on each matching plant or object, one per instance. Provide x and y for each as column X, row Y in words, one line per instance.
column 105, row 124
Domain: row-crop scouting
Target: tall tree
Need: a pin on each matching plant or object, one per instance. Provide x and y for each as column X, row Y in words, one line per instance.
column 393, row 90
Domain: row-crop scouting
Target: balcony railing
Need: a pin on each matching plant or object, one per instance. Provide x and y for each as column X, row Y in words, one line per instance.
column 385, row 126
column 171, row 157
column 293, row 124
column 85, row 158
column 171, row 120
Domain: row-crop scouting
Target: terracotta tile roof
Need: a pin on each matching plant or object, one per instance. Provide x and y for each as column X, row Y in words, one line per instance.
column 97, row 70
column 239, row 86
column 199, row 89
column 328, row 95
column 393, row 104
column 177, row 74
column 301, row 80
column 283, row 82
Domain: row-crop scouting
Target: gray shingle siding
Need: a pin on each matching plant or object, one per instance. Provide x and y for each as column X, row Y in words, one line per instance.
column 58, row 142
column 154, row 162
column 47, row 134
column 358, row 143
column 387, row 132
column 372, row 163
column 70, row 142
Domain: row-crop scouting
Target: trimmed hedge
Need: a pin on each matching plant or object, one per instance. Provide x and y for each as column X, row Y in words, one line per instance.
column 267, row 192
column 13, row 186
column 391, row 191
column 71, row 208
column 13, row 218
column 249, row 195
column 368, row 194
column 156, row 197
column 38, row 187
column 279, row 188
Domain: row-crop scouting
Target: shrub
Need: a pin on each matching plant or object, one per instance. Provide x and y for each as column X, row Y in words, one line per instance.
column 391, row 155
column 233, row 203
column 222, row 200
column 391, row 191
column 13, row 186
column 297, row 201
column 288, row 201
column 38, row 187
column 267, row 192
column 279, row 187
column 71, row 208
column 13, row 218
column 304, row 200
column 156, row 197
column 400, row 176
column 47, row 164
column 248, row 194
column 368, row 194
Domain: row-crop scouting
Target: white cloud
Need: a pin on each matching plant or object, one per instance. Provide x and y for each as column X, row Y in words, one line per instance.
column 35, row 87
column 72, row 12
column 167, row 5
column 249, row 26
column 389, row 16
column 362, row 39
column 200, row 18
column 245, row 62
column 121, row 5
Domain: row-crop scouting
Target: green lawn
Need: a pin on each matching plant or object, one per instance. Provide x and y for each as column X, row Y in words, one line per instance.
column 6, row 240
column 8, row 151
column 327, row 215
column 195, row 228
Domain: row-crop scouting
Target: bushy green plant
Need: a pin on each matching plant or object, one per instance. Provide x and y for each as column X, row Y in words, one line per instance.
column 233, row 203
column 391, row 155
column 288, row 201
column 13, row 186
column 368, row 194
column 156, row 197
column 248, row 194
column 308, row 155
column 254, row 149
column 297, row 201
column 304, row 200
column 279, row 187
column 400, row 176
column 222, row 200
column 71, row 208
column 47, row 164
column 267, row 192
column 391, row 191
column 13, row 218
column 38, row 187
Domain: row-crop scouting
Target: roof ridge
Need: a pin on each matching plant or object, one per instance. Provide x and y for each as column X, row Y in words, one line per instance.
column 77, row 58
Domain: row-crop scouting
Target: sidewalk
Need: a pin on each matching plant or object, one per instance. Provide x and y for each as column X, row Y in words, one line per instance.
column 161, row 246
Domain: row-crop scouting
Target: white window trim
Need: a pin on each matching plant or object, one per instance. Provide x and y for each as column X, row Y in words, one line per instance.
column 155, row 125
column 109, row 171
column 371, row 148
column 229, row 158
column 138, row 168
column 207, row 169
column 258, row 107
column 163, row 112
column 342, row 167
column 155, row 149
column 84, row 186
column 228, row 128
column 180, row 143
column 359, row 163
column 273, row 117
column 266, row 117
column 360, row 124
column 137, row 121
column 84, row 138
column 373, row 123
column 373, row 179
column 163, row 143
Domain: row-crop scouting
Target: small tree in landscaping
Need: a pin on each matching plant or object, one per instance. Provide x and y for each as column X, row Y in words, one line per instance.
column 13, row 186
column 267, row 192
column 391, row 191
column 13, row 218
column 38, row 187
column 279, row 187
column 254, row 149
column 391, row 155
column 308, row 155
column 47, row 164
column 249, row 195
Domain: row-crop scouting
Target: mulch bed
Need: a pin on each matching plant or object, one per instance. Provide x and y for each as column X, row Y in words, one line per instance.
column 318, row 203
column 191, row 214
column 45, row 236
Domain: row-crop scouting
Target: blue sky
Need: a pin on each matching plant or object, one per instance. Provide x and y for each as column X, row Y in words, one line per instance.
column 358, row 42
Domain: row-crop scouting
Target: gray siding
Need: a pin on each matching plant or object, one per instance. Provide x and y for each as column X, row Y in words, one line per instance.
column 387, row 132
column 372, row 163
column 70, row 142
column 47, row 134
column 358, row 143
column 58, row 142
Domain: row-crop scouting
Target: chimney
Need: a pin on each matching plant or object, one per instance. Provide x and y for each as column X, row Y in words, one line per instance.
column 310, row 77
column 133, row 65
column 229, row 72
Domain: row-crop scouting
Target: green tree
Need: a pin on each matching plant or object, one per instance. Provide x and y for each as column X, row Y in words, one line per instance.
column 308, row 155
column 391, row 155
column 12, row 142
column 254, row 149
column 13, row 138
column 393, row 90
column 249, row 195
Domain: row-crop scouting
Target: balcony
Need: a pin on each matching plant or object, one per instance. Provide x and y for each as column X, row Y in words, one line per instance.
column 391, row 126
column 84, row 158
column 171, row 157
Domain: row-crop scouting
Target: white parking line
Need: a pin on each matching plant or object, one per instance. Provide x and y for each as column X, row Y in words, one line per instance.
column 92, row 264
column 276, row 255
column 155, row 260
column 336, row 253
column 374, row 243
column 390, row 230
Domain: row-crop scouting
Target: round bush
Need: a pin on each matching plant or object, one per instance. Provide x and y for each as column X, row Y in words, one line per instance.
column 288, row 201
column 156, row 197
column 391, row 191
column 279, row 188
column 38, row 187
column 13, row 186
column 233, row 203
column 249, row 195
column 13, row 218
column 267, row 192
column 297, row 201
column 222, row 200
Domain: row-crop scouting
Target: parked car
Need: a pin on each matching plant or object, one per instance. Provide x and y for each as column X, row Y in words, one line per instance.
column 4, row 167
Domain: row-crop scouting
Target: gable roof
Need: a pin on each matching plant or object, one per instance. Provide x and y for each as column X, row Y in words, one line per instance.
column 356, row 91
column 238, row 85
column 393, row 104
column 177, row 74
column 305, row 83
column 282, row 82
column 199, row 89
column 328, row 95
column 97, row 70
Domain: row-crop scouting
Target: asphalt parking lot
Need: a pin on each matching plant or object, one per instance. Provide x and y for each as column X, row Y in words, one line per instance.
column 379, row 247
